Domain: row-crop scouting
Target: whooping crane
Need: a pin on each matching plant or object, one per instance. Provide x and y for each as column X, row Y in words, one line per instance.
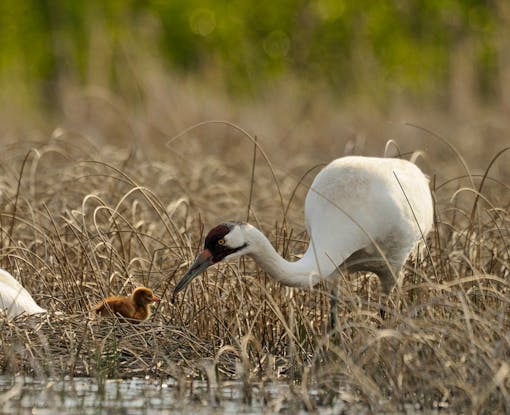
column 14, row 299
column 135, row 308
column 361, row 213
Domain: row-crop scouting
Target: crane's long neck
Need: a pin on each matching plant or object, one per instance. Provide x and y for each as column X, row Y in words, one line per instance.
column 301, row 273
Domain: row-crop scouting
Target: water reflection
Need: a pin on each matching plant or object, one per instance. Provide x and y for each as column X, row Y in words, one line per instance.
column 25, row 395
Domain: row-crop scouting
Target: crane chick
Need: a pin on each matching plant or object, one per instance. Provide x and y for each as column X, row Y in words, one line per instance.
column 135, row 308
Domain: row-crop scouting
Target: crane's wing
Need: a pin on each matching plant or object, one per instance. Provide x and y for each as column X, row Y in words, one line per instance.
column 355, row 202
column 14, row 299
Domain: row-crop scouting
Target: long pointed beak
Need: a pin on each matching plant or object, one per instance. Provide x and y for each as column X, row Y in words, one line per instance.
column 202, row 261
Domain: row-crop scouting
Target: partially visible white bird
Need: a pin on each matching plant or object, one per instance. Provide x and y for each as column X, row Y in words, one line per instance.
column 14, row 299
column 362, row 214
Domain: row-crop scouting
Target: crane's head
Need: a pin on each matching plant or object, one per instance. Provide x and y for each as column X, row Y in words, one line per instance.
column 227, row 240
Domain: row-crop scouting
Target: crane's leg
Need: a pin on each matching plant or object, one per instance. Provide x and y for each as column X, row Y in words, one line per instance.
column 387, row 281
column 382, row 306
column 333, row 306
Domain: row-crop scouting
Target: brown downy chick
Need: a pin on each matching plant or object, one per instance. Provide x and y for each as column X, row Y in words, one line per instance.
column 136, row 308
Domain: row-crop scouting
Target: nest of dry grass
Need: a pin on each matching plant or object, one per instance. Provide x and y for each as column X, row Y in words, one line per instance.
column 78, row 224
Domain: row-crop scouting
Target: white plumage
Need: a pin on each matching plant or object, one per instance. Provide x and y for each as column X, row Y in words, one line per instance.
column 362, row 214
column 14, row 299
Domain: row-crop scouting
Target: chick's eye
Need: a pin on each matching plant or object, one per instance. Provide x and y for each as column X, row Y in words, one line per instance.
column 221, row 241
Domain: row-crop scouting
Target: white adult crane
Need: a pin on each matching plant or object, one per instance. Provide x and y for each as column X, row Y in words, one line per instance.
column 14, row 299
column 362, row 214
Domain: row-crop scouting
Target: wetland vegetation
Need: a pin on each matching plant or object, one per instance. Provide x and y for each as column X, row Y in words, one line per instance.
column 111, row 181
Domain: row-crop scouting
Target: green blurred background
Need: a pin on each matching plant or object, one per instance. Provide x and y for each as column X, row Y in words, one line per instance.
column 450, row 54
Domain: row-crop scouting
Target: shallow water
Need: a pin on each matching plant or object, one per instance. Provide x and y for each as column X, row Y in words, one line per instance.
column 24, row 395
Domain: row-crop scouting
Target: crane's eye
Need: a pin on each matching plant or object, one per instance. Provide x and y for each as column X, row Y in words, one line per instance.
column 221, row 241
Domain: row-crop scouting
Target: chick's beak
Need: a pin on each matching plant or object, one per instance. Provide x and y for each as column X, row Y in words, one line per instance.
column 202, row 261
column 155, row 298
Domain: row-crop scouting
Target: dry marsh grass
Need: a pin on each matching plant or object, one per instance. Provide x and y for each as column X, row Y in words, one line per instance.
column 80, row 221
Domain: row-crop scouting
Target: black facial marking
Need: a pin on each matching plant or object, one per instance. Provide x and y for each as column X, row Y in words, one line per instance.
column 217, row 233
